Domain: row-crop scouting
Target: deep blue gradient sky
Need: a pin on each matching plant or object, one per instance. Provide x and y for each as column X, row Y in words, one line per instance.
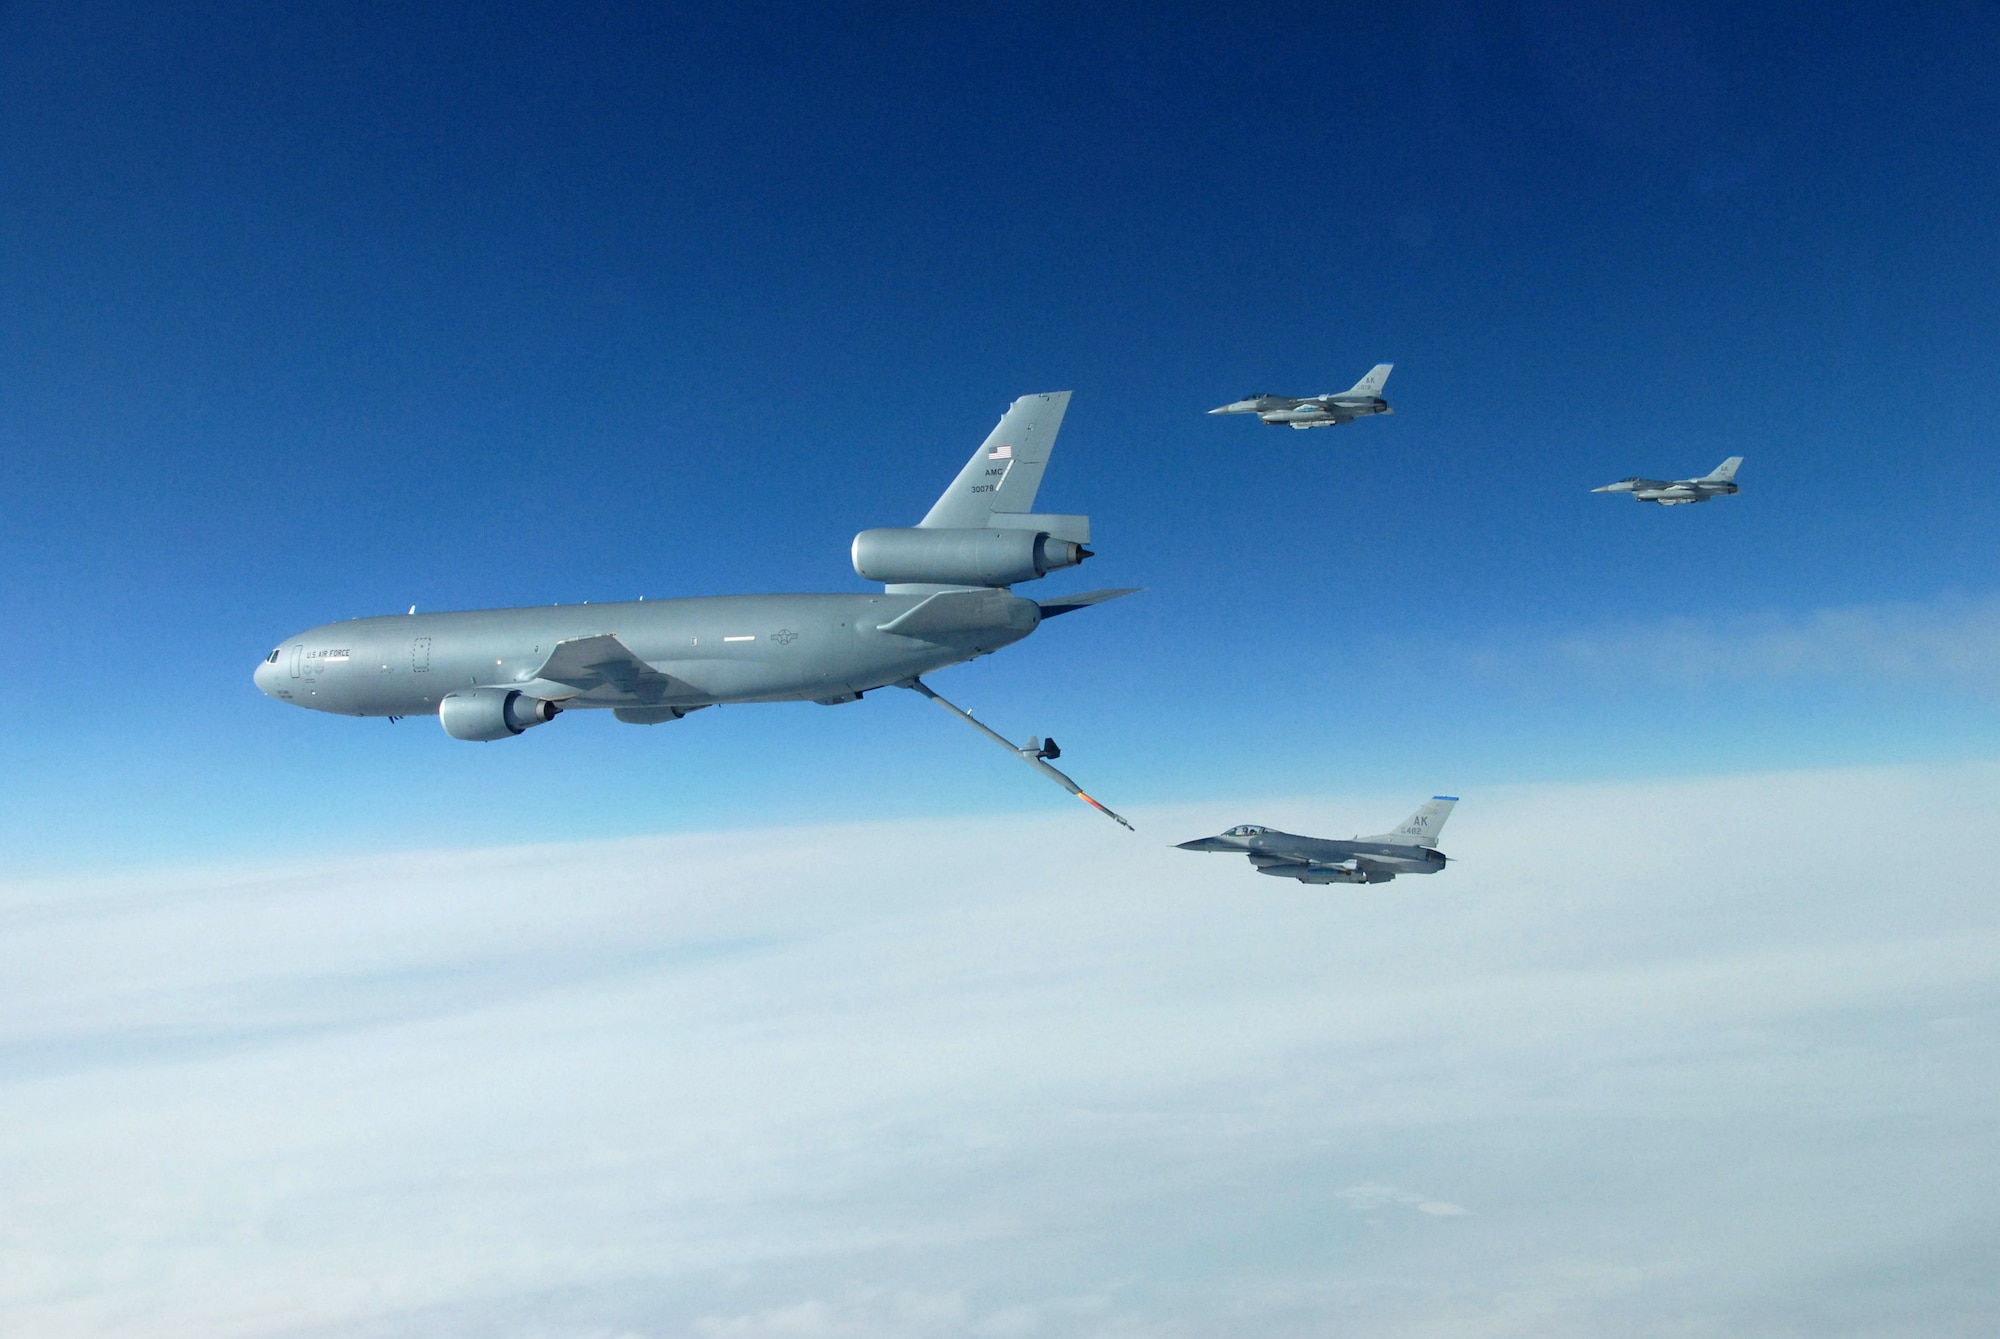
column 310, row 312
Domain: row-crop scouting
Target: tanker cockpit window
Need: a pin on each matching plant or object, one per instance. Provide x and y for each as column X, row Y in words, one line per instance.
column 272, row 659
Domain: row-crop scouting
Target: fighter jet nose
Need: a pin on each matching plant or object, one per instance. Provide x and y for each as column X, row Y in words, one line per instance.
column 1222, row 410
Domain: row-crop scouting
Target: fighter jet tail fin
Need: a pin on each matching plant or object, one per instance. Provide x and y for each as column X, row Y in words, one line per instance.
column 1422, row 827
column 1005, row 473
column 1378, row 376
column 1725, row 472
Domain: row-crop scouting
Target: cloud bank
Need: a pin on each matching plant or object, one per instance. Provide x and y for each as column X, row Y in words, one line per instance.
column 1706, row 1057
column 1951, row 644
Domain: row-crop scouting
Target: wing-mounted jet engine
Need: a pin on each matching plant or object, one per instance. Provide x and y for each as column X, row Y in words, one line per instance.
column 493, row 713
column 495, row 674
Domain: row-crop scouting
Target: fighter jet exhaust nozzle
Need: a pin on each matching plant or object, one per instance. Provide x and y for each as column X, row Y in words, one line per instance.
column 961, row 557
column 484, row 714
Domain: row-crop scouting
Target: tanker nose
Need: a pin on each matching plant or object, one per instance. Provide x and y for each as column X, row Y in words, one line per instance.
column 266, row 675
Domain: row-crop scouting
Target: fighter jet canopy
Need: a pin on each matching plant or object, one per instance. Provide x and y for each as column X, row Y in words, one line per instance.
column 1246, row 830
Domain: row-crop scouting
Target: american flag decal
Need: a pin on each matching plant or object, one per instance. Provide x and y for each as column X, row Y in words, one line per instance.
column 1001, row 452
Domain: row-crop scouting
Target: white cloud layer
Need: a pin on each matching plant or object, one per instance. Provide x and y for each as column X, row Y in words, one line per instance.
column 1712, row 1057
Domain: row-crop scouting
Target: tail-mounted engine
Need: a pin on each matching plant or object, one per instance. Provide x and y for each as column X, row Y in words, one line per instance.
column 492, row 713
column 965, row 557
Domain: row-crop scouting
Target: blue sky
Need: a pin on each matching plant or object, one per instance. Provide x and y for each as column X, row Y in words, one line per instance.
column 330, row 311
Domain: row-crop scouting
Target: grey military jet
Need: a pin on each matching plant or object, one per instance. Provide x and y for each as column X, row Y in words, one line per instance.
column 1410, row 849
column 493, row 674
column 1319, row 411
column 1718, row 482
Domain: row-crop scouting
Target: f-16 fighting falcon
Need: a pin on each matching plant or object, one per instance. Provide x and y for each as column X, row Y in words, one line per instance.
column 1718, row 482
column 1319, row 411
column 1410, row 849
column 494, row 673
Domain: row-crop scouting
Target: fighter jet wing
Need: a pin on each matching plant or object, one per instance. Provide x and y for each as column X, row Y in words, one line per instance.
column 603, row 661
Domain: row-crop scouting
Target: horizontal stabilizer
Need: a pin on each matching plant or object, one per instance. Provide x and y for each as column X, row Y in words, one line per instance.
column 953, row 612
column 1069, row 604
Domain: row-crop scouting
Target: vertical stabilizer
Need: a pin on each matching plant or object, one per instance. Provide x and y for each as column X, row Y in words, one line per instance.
column 1372, row 384
column 1725, row 472
column 1005, row 473
column 1422, row 827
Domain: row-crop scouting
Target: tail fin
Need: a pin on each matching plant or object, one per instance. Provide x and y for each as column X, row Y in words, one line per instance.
column 1005, row 473
column 1378, row 376
column 1422, row 827
column 1725, row 472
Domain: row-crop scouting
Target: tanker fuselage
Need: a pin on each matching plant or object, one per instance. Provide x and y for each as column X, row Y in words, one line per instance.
column 717, row 649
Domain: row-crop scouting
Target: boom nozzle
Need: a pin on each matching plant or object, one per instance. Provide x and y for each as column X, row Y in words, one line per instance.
column 1034, row 753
